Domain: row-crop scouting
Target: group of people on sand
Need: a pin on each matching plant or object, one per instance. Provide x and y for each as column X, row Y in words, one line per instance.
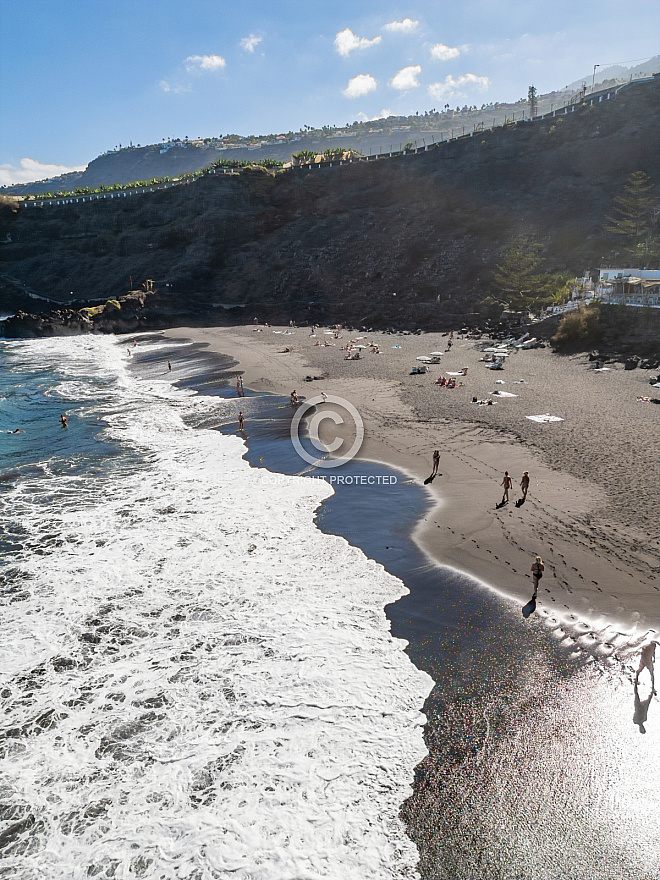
column 447, row 383
column 507, row 484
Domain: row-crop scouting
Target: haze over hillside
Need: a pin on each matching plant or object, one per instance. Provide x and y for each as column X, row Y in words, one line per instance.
column 611, row 73
column 177, row 156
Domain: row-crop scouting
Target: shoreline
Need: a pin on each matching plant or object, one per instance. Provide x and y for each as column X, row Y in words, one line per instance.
column 601, row 563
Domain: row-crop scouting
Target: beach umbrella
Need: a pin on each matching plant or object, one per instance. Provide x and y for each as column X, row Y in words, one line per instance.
column 360, row 346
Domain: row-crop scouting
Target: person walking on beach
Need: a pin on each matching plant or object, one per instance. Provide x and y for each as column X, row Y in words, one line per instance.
column 537, row 572
column 506, row 484
column 436, row 462
column 241, row 421
column 524, row 483
column 647, row 661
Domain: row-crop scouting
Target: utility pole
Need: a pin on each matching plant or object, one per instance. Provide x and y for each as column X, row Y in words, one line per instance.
column 593, row 78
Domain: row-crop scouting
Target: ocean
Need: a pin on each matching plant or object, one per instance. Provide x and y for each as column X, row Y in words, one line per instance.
column 196, row 681
column 213, row 665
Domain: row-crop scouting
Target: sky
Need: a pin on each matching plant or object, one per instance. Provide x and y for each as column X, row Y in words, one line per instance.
column 79, row 77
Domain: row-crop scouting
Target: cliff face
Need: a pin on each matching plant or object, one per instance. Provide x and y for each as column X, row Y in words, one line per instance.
column 410, row 241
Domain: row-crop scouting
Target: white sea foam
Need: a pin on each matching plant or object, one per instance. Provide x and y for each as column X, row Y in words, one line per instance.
column 200, row 683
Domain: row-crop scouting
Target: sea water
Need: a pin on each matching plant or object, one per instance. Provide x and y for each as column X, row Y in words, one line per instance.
column 195, row 681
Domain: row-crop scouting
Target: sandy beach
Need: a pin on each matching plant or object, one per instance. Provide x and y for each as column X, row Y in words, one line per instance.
column 592, row 507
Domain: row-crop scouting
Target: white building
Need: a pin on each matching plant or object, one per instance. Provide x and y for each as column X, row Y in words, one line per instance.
column 633, row 287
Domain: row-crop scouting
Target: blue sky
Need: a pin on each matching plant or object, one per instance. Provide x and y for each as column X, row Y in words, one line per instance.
column 78, row 77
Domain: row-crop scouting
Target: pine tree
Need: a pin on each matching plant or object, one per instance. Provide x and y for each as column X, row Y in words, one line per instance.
column 517, row 274
column 532, row 100
column 632, row 212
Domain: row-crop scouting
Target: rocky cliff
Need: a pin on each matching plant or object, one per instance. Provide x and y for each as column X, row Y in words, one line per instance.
column 410, row 241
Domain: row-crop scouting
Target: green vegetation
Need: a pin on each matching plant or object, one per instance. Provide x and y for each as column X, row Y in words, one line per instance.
column 304, row 156
column 632, row 219
column 579, row 328
column 521, row 282
column 104, row 188
column 517, row 277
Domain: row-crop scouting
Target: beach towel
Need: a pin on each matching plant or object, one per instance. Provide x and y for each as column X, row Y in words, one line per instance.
column 602, row 370
column 546, row 417
column 453, row 374
column 504, row 394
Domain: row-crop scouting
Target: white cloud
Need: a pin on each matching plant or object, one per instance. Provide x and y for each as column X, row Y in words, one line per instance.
column 406, row 78
column 177, row 88
column 406, row 24
column 360, row 85
column 452, row 86
column 31, row 170
column 346, row 41
column 205, row 62
column 442, row 52
column 382, row 115
column 250, row 43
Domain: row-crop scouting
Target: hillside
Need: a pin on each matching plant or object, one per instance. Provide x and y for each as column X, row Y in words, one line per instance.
column 410, row 241
column 369, row 138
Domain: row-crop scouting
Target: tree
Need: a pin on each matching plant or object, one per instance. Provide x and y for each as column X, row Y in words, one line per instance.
column 517, row 275
column 632, row 213
column 533, row 101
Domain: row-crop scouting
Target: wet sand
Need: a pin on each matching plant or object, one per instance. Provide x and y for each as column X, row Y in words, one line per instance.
column 592, row 507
